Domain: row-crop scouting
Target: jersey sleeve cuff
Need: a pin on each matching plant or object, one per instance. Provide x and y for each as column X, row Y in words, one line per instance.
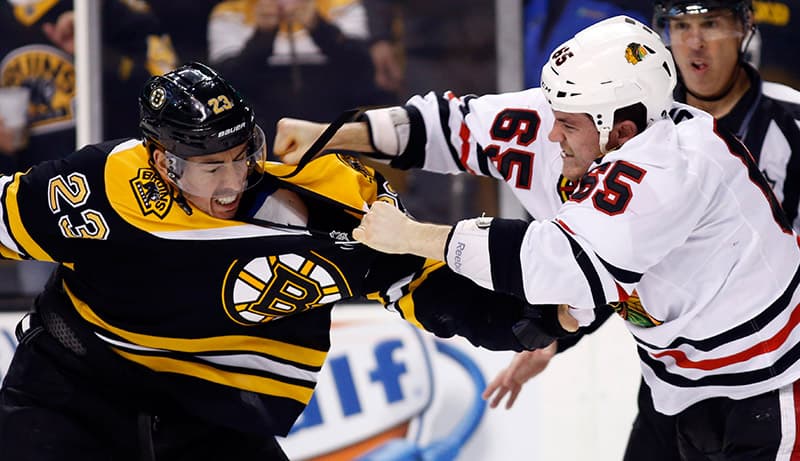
column 403, row 145
column 388, row 130
column 505, row 242
column 467, row 251
column 487, row 251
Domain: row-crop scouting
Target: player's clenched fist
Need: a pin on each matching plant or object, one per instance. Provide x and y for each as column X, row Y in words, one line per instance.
column 385, row 228
column 294, row 137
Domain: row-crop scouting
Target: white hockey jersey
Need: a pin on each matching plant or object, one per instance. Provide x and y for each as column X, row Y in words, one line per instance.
column 680, row 213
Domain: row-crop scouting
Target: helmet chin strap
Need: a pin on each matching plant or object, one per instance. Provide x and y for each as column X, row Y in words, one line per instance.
column 604, row 132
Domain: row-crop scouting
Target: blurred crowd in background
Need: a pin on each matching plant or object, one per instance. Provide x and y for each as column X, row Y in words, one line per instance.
column 295, row 58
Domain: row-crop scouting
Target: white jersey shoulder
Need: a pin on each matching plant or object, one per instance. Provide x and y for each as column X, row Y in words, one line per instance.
column 503, row 136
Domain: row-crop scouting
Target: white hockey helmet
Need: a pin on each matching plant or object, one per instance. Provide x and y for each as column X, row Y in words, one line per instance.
column 612, row 64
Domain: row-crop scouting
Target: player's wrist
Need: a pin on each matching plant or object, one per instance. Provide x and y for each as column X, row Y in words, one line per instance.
column 388, row 130
column 566, row 320
column 352, row 136
column 426, row 239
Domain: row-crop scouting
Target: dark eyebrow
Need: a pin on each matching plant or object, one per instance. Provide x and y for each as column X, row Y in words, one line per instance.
column 240, row 156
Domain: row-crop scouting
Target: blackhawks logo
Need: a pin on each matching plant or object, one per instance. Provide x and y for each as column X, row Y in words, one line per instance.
column 633, row 312
column 565, row 188
column 152, row 193
column 635, row 53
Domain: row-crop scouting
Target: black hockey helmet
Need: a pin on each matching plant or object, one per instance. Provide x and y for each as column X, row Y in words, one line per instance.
column 663, row 10
column 193, row 111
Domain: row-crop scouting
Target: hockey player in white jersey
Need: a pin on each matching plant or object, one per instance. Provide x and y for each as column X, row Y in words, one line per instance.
column 668, row 209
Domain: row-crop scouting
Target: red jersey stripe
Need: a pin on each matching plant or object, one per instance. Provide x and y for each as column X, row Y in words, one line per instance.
column 766, row 346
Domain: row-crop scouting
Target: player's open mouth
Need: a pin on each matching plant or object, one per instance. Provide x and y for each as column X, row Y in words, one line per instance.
column 227, row 200
column 564, row 154
column 699, row 65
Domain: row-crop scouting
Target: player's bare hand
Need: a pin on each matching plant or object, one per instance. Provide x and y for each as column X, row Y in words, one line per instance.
column 385, row 228
column 62, row 33
column 6, row 139
column 293, row 138
column 301, row 11
column 388, row 71
column 524, row 366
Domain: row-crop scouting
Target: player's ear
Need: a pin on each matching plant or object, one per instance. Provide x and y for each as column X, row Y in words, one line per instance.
column 160, row 162
column 625, row 131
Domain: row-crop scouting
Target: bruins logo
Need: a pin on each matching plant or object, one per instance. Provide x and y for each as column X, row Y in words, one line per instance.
column 354, row 163
column 635, row 53
column 633, row 312
column 158, row 97
column 267, row 288
column 152, row 193
column 50, row 75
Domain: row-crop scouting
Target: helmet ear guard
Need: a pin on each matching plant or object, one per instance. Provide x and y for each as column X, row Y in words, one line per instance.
column 613, row 64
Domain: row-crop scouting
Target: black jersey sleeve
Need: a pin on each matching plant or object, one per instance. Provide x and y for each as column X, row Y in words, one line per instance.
column 50, row 212
column 434, row 298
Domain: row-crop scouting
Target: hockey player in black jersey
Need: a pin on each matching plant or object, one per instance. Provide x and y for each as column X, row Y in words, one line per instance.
column 190, row 314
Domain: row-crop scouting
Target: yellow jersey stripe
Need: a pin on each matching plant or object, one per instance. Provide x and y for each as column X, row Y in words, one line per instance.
column 17, row 229
column 243, row 381
column 297, row 354
column 8, row 254
column 406, row 303
column 376, row 296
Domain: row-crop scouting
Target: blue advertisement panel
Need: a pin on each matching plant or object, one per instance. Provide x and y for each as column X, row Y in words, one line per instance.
column 391, row 392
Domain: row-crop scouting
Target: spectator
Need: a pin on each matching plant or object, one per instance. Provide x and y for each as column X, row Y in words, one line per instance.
column 136, row 45
column 303, row 57
column 186, row 21
column 133, row 47
column 417, row 46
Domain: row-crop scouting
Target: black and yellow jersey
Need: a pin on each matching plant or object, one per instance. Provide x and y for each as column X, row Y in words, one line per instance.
column 135, row 46
column 230, row 318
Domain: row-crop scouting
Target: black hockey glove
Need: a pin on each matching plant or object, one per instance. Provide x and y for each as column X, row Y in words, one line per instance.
column 539, row 326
